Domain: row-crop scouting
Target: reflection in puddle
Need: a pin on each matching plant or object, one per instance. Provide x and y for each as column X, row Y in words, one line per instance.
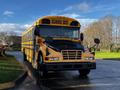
column 60, row 79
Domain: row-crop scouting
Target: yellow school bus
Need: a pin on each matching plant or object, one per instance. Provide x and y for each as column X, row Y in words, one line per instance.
column 54, row 43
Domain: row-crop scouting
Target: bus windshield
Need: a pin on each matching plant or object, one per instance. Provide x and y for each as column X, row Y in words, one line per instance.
column 55, row 31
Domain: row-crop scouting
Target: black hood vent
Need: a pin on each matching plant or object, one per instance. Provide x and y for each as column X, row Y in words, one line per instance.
column 64, row 45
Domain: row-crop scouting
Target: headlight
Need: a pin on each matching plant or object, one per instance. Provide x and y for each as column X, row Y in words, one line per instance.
column 89, row 58
column 53, row 58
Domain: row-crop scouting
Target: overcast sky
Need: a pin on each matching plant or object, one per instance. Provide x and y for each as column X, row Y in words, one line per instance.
column 18, row 14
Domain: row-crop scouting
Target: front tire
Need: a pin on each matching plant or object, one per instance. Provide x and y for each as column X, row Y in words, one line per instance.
column 84, row 72
column 43, row 72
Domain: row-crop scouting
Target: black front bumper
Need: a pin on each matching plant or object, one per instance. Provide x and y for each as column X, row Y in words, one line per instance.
column 67, row 66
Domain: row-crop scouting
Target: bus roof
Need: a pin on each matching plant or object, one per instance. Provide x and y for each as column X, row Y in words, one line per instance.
column 57, row 21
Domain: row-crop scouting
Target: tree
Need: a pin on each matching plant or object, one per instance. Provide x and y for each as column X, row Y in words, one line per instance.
column 6, row 41
column 116, row 33
column 101, row 29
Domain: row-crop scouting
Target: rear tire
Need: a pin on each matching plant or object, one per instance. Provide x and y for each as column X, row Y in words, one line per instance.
column 84, row 72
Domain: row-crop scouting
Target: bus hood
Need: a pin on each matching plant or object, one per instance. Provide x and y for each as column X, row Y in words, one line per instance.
column 59, row 45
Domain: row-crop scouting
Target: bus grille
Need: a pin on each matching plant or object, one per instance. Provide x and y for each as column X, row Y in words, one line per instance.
column 71, row 54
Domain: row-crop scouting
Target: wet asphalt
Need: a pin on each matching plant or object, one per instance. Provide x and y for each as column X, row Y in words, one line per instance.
column 105, row 77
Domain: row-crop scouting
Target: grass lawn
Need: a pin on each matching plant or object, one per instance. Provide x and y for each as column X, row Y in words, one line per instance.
column 10, row 69
column 114, row 55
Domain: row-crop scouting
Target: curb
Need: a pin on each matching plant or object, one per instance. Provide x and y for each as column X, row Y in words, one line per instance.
column 12, row 84
column 111, row 58
column 107, row 58
column 7, row 85
column 20, row 78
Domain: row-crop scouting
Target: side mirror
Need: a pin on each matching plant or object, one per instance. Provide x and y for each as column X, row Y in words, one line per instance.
column 96, row 41
column 37, row 31
column 81, row 36
column 93, row 53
